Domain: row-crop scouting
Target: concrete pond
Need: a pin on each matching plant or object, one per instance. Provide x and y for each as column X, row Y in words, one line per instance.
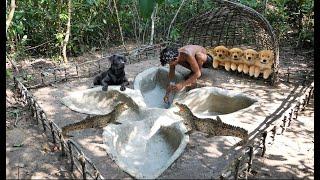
column 151, row 141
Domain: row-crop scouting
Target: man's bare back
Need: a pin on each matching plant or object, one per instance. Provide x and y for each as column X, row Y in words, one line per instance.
column 192, row 57
column 193, row 51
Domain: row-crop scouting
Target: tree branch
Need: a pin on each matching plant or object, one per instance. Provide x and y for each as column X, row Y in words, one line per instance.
column 13, row 64
column 120, row 28
column 66, row 38
column 153, row 18
column 174, row 18
column 10, row 16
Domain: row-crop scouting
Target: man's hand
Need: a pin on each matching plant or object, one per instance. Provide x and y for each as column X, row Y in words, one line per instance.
column 166, row 99
column 176, row 87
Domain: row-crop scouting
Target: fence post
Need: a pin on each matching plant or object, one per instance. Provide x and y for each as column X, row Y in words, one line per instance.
column 274, row 131
column 71, row 156
column 288, row 76
column 304, row 102
column 96, row 174
column 290, row 117
column 296, row 111
column 83, row 165
column 250, row 158
column 37, row 115
column 42, row 76
column 52, row 132
column 65, row 74
column 99, row 65
column 309, row 96
column 284, row 124
column 63, row 151
column 55, row 75
column 264, row 136
column 77, row 69
column 236, row 171
column 42, row 120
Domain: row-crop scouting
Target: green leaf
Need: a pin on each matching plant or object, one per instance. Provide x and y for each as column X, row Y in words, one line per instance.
column 146, row 7
column 173, row 2
column 59, row 37
column 9, row 73
column 91, row 2
column 63, row 16
column 160, row 1
column 174, row 34
column 17, row 145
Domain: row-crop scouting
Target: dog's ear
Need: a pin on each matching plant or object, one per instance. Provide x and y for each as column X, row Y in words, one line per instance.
column 245, row 52
column 125, row 59
column 214, row 51
column 228, row 53
column 256, row 55
column 241, row 53
column 112, row 58
column 259, row 54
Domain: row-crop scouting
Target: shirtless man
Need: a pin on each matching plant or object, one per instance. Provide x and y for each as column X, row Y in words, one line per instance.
column 193, row 57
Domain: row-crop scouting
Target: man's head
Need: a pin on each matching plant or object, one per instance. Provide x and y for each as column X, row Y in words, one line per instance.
column 168, row 54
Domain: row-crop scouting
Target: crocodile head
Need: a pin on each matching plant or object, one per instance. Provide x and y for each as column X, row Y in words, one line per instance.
column 186, row 114
column 119, row 108
column 183, row 109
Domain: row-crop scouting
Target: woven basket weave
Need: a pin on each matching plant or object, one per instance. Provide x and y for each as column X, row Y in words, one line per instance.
column 233, row 25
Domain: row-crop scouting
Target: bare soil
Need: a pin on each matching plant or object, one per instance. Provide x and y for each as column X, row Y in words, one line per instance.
column 30, row 155
column 298, row 144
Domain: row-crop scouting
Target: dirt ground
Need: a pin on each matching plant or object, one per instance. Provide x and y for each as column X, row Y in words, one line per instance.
column 298, row 143
column 30, row 155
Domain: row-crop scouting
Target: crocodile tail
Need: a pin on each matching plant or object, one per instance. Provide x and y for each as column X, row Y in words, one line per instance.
column 236, row 131
column 242, row 133
column 84, row 124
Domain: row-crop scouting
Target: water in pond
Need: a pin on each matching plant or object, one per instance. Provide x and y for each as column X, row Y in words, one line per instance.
column 154, row 97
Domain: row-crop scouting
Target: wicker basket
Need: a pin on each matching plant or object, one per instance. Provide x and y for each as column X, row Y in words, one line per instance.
column 233, row 25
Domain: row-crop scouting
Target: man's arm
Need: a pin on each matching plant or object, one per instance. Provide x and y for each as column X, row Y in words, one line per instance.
column 195, row 69
column 171, row 72
column 170, row 77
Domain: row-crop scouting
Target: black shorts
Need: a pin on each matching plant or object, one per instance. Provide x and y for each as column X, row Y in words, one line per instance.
column 208, row 62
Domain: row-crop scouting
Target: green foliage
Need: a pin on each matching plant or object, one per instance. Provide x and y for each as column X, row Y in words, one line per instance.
column 300, row 19
column 291, row 19
column 9, row 73
column 174, row 34
column 38, row 27
column 146, row 7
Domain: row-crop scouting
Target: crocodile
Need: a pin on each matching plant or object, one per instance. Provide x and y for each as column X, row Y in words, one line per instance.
column 210, row 126
column 97, row 122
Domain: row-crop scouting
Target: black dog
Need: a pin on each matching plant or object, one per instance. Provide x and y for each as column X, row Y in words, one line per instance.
column 115, row 75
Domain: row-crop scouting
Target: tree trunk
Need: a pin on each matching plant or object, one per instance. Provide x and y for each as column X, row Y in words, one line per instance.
column 10, row 16
column 153, row 18
column 144, row 31
column 66, row 38
column 8, row 22
column 139, row 22
column 265, row 3
column 174, row 18
column 134, row 23
column 60, row 4
column 120, row 28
